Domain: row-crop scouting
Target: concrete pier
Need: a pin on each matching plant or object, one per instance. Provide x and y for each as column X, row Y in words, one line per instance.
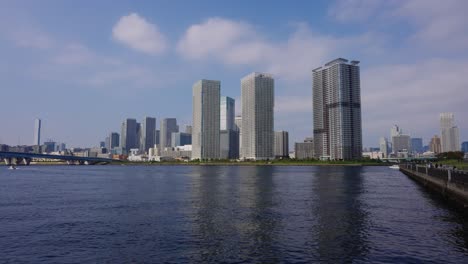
column 452, row 185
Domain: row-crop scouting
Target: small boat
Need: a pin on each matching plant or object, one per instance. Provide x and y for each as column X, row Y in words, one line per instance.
column 12, row 168
column 395, row 167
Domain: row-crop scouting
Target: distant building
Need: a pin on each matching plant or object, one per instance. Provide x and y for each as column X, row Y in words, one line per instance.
column 401, row 143
column 62, row 147
column 464, row 147
column 281, row 144
column 229, row 144
column 238, row 128
column 395, row 131
column 148, row 128
column 128, row 137
column 188, row 129
column 227, row 114
column 304, row 150
column 138, row 135
column 384, row 148
column 114, row 139
column 435, row 145
column 257, row 93
column 417, row 145
column 168, row 126
column 102, row 144
column 337, row 110
column 49, row 146
column 206, row 119
column 157, row 137
column 450, row 139
column 181, row 139
column 37, row 132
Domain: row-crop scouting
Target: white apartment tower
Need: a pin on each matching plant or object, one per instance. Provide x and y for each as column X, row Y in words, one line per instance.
column 206, row 120
column 450, row 140
column 257, row 93
column 337, row 110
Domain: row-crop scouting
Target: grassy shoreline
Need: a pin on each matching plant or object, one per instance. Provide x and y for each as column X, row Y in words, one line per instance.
column 227, row 163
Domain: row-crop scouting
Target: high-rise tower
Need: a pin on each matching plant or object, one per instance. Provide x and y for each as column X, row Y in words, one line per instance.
column 148, row 128
column 450, row 139
column 227, row 113
column 337, row 110
column 37, row 132
column 257, row 93
column 206, row 120
column 128, row 137
column 168, row 126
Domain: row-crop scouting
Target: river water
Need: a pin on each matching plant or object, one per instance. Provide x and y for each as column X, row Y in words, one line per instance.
column 202, row 214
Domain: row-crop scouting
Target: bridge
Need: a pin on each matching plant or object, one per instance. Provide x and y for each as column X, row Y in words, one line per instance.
column 20, row 158
column 408, row 159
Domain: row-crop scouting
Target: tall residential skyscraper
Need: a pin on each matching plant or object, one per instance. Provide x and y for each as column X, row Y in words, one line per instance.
column 450, row 140
column 281, row 144
column 168, row 126
column 37, row 132
column 258, row 102
column 128, row 137
column 206, row 120
column 337, row 110
column 228, row 112
column 148, row 128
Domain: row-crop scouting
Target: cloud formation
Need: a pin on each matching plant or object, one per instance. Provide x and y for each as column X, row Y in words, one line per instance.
column 137, row 33
column 239, row 43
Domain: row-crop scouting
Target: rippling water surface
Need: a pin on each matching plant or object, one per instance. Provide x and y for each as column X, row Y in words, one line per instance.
column 114, row 214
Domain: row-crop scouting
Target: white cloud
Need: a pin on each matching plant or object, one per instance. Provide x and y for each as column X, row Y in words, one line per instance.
column 137, row 33
column 355, row 10
column 74, row 54
column 238, row 43
column 432, row 23
column 437, row 22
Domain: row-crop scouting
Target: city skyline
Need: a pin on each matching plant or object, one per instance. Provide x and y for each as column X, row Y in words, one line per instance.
column 116, row 76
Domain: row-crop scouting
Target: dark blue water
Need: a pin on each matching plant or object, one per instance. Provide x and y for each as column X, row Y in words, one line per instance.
column 121, row 214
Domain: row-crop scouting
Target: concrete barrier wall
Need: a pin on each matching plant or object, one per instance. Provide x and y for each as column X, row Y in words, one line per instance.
column 453, row 185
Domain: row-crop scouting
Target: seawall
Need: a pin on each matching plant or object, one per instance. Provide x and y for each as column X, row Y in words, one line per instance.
column 452, row 185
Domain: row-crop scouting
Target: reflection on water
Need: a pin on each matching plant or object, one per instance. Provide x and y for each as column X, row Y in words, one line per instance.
column 212, row 214
column 341, row 219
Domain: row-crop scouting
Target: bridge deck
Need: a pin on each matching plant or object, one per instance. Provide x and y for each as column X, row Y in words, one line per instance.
column 4, row 154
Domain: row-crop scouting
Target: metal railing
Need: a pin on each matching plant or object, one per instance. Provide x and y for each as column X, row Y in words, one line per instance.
column 447, row 175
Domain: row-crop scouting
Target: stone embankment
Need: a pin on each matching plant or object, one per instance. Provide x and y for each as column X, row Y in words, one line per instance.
column 451, row 184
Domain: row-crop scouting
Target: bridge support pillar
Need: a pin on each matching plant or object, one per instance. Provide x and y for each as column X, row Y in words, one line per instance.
column 7, row 161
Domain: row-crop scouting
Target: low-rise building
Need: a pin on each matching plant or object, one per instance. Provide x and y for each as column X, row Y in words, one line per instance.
column 304, row 150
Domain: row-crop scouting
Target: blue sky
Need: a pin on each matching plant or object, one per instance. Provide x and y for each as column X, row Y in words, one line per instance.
column 84, row 66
